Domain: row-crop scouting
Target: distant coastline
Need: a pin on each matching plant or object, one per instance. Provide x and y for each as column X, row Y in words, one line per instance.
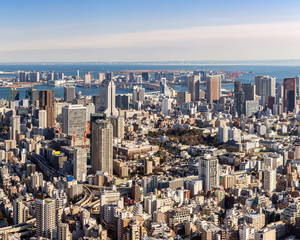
column 276, row 62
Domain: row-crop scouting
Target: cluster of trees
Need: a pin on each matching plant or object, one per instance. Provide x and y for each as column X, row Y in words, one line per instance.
column 190, row 137
column 186, row 136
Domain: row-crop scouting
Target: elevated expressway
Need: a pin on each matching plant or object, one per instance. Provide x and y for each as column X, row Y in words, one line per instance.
column 19, row 227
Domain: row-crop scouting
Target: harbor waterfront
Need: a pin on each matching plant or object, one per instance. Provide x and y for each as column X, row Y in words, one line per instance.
column 279, row 72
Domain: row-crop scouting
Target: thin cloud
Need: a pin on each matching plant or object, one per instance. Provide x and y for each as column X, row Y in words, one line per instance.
column 205, row 35
column 227, row 42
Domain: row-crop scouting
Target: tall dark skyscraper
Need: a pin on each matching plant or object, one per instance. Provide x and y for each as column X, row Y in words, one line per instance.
column 32, row 95
column 239, row 98
column 109, row 76
column 69, row 94
column 12, row 94
column 96, row 100
column 289, row 94
column 46, row 102
column 23, row 77
column 145, row 76
column 194, row 87
column 122, row 101
column 249, row 91
column 102, row 141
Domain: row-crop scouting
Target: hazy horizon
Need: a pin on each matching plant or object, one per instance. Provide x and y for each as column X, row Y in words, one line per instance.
column 285, row 62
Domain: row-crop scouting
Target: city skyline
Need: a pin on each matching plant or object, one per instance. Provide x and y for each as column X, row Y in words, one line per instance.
column 154, row 31
column 144, row 120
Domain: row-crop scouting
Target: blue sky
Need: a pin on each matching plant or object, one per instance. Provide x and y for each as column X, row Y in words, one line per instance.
column 130, row 30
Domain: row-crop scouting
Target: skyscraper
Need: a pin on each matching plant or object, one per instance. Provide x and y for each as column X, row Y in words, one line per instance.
column 183, row 97
column 238, row 98
column 265, row 86
column 123, row 101
column 251, row 107
column 164, row 89
column 145, row 76
column 109, row 76
column 194, row 87
column 93, row 118
column 22, row 77
column 80, row 164
column 136, row 189
column 223, row 134
column 20, row 211
column 269, row 180
column 166, row 106
column 74, row 120
column 34, row 76
column 131, row 77
column 32, row 95
column 96, row 101
column 213, row 88
column 42, row 119
column 298, row 85
column 45, row 217
column 101, row 77
column 63, row 232
column 50, row 76
column 102, row 146
column 289, row 94
column 14, row 127
column 208, row 172
column 108, row 99
column 12, row 95
column 88, row 77
column 138, row 94
column 69, row 94
column 118, row 126
column 46, row 102
column 249, row 91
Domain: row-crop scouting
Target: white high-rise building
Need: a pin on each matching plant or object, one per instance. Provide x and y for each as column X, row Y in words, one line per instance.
column 101, row 77
column 14, row 126
column 166, row 106
column 246, row 232
column 269, row 180
column 80, row 164
column 88, row 77
column 20, row 211
column 261, row 129
column 108, row 99
column 137, row 210
column 164, row 89
column 102, row 146
column 63, row 232
column 74, row 120
column 234, row 134
column 134, row 230
column 223, row 134
column 45, row 217
column 208, row 171
column 42, row 119
column 118, row 126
